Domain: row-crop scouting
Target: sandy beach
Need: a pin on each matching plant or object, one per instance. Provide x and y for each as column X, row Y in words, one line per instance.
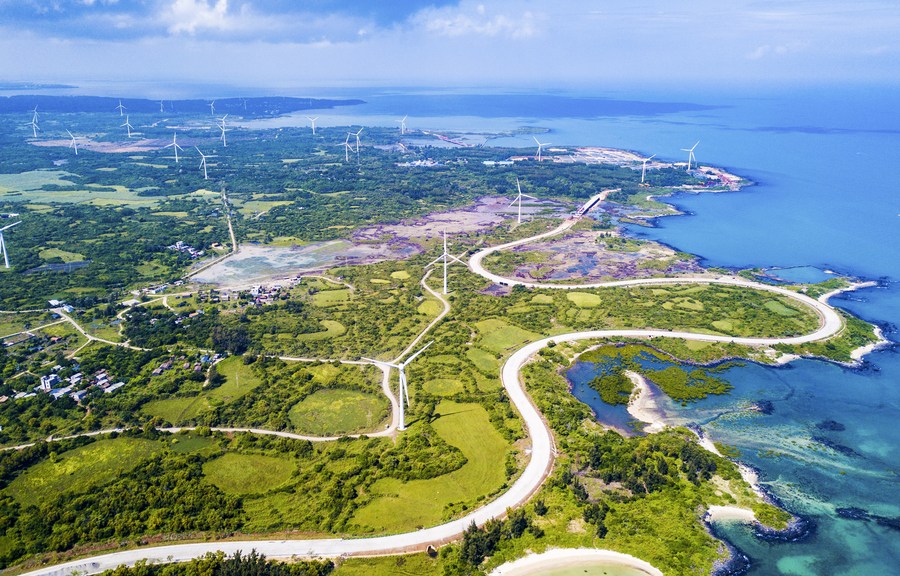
column 561, row 558
column 729, row 514
column 642, row 405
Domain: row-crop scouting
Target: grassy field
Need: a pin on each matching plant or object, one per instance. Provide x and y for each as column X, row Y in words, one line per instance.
column 400, row 275
column 333, row 329
column 248, row 473
column 430, row 308
column 583, row 299
column 443, row 387
column 331, row 297
column 406, row 505
column 483, row 360
column 62, row 254
column 411, row 565
column 12, row 323
column 239, row 380
column 338, row 411
column 80, row 469
column 498, row 336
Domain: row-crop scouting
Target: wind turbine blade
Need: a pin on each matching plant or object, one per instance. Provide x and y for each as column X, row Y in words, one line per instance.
column 519, row 186
column 458, row 258
column 413, row 357
column 536, row 141
column 527, row 196
column 10, row 226
column 650, row 158
column 405, row 387
column 435, row 261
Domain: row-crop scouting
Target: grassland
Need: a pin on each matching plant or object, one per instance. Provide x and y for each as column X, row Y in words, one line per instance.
column 80, row 469
column 499, row 336
column 248, row 473
column 239, row 380
column 402, row 506
column 336, row 411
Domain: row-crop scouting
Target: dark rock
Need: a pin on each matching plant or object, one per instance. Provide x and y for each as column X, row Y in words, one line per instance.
column 831, row 425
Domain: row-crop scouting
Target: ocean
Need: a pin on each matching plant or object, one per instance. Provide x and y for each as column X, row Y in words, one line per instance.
column 825, row 198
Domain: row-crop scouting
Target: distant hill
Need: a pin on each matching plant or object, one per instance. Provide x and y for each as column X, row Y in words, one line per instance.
column 248, row 107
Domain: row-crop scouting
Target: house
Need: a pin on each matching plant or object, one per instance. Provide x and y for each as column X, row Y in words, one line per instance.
column 60, row 392
column 48, row 382
column 114, row 387
column 54, row 303
column 79, row 396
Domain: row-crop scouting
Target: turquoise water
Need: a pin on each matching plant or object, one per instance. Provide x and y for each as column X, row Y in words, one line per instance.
column 825, row 198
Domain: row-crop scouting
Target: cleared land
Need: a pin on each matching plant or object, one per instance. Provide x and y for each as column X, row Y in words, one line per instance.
column 338, row 411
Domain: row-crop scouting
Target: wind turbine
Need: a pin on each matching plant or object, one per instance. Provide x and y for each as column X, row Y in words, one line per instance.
column 73, row 143
column 313, row 122
column 161, row 109
column 222, row 128
column 212, row 107
column 691, row 156
column 127, row 125
column 347, row 148
column 644, row 166
column 448, row 259
column 3, row 242
column 121, row 108
column 357, row 144
column 33, row 124
column 404, row 388
column 540, row 147
column 244, row 100
column 519, row 200
column 202, row 163
column 403, row 125
column 174, row 145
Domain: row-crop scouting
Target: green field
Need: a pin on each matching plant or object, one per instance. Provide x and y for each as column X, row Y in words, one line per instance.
column 400, row 275
column 498, row 336
column 333, row 329
column 406, row 505
column 583, row 299
column 411, row 565
column 443, row 387
column 248, row 473
column 483, row 360
column 334, row 412
column 239, row 380
column 430, row 308
column 331, row 297
column 61, row 254
column 779, row 308
column 80, row 469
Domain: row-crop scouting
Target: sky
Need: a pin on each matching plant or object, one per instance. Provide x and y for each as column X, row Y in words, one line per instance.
column 451, row 43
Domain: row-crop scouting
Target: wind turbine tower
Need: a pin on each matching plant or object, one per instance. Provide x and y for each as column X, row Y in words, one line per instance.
column 3, row 242
column 127, row 125
column 403, row 125
column 202, row 163
column 540, row 146
column 222, row 128
column 357, row 144
column 212, row 107
column 73, row 143
column 644, row 166
column 691, row 157
column 174, row 145
column 448, row 259
column 404, row 387
column 121, row 108
column 519, row 200
column 313, row 122
column 162, row 110
column 347, row 147
column 34, row 125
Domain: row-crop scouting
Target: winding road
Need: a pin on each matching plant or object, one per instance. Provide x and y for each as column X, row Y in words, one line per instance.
column 542, row 450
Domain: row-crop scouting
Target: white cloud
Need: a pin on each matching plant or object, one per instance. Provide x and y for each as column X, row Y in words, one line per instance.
column 192, row 15
column 766, row 50
column 476, row 20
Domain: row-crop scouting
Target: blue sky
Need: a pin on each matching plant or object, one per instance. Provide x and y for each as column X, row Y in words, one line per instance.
column 521, row 43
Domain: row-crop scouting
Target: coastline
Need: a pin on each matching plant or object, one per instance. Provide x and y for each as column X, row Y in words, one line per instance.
column 643, row 406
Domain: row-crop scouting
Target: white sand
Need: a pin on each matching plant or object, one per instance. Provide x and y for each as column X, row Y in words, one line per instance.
column 536, row 564
column 729, row 514
column 642, row 405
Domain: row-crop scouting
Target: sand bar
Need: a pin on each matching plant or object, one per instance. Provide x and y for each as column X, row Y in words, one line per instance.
column 642, row 405
column 536, row 564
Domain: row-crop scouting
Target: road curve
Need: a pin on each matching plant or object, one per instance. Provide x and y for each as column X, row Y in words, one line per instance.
column 531, row 479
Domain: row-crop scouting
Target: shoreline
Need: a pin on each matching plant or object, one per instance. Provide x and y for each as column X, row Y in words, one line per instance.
column 537, row 564
column 642, row 405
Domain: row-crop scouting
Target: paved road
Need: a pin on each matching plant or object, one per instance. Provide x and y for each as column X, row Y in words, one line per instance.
column 542, row 449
